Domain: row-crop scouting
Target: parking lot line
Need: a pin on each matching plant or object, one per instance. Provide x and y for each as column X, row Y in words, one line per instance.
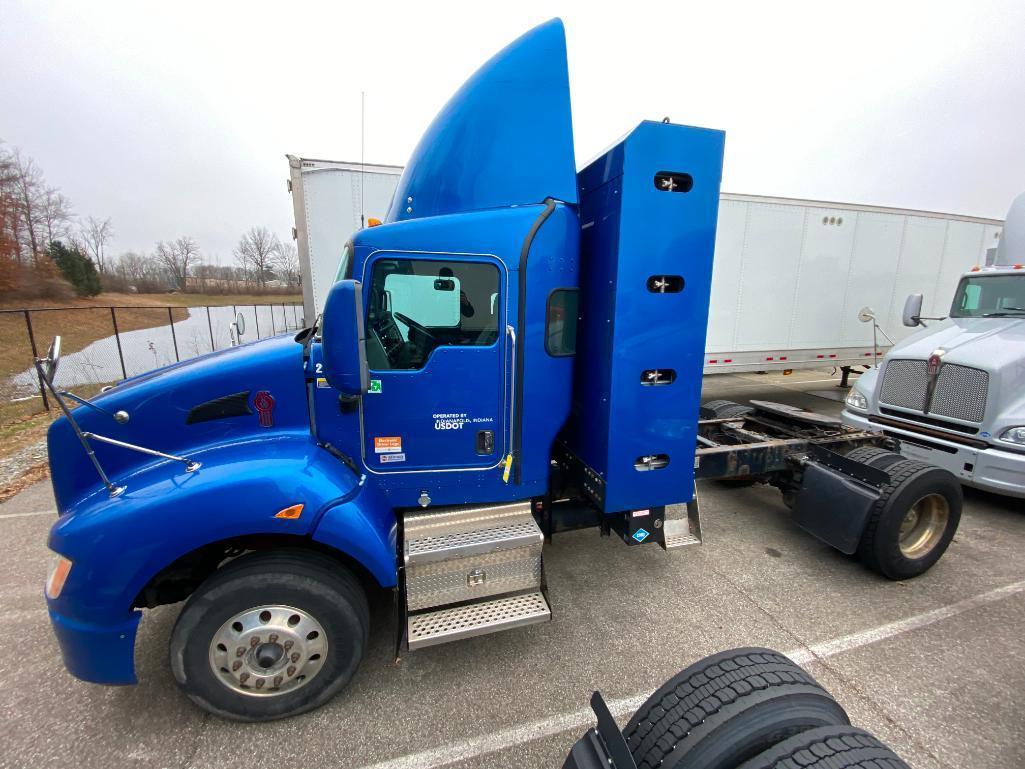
column 27, row 515
column 450, row 753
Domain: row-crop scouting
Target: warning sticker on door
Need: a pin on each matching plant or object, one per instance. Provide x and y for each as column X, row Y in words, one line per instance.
column 386, row 458
column 388, row 445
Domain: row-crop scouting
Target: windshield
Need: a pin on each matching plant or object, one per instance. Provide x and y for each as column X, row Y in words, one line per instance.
column 345, row 263
column 990, row 296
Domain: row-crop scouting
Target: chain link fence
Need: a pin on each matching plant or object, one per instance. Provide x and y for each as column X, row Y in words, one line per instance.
column 103, row 345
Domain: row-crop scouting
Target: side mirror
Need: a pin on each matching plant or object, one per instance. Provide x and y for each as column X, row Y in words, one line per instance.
column 913, row 310
column 344, row 339
column 240, row 323
column 866, row 314
column 53, row 356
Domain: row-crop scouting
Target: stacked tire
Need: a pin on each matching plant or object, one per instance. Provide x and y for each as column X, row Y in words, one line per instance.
column 750, row 708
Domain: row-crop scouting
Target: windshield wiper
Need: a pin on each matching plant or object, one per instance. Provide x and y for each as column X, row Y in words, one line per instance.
column 1014, row 311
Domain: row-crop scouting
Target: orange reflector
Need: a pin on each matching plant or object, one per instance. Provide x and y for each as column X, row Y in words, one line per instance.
column 976, row 268
column 290, row 513
column 58, row 576
column 372, row 222
column 1019, row 266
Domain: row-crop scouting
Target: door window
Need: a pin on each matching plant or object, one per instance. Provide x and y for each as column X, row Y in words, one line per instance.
column 418, row 305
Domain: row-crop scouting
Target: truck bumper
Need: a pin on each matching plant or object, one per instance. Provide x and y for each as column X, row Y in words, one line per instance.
column 1002, row 472
column 100, row 654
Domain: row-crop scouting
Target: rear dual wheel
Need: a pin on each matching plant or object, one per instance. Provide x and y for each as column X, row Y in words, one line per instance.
column 914, row 520
column 726, row 709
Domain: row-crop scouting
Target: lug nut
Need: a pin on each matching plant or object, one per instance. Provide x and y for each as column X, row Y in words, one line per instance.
column 291, row 670
column 240, row 651
column 254, row 640
column 236, row 665
column 244, row 677
column 273, row 638
column 294, row 657
column 288, row 645
column 277, row 680
column 259, row 683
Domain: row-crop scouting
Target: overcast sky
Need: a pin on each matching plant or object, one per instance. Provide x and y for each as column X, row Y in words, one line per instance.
column 174, row 118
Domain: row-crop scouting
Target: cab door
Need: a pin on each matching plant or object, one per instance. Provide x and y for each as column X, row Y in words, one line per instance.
column 438, row 359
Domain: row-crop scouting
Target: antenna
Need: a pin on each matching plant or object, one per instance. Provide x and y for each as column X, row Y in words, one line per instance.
column 362, row 156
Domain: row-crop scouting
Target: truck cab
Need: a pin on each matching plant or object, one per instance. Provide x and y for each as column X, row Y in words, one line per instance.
column 514, row 352
column 954, row 393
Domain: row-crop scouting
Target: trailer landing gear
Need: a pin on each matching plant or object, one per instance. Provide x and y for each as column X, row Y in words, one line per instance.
column 746, row 708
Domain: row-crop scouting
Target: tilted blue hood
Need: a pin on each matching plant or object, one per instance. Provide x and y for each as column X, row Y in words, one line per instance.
column 505, row 138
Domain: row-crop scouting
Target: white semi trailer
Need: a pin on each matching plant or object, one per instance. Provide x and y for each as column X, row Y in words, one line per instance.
column 792, row 278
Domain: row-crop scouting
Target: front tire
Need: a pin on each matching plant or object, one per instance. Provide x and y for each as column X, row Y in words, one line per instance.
column 270, row 635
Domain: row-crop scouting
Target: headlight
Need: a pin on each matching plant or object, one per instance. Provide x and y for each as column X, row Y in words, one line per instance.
column 1014, row 435
column 856, row 400
column 58, row 576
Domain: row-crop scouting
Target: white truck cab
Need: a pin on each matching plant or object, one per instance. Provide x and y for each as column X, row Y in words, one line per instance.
column 954, row 393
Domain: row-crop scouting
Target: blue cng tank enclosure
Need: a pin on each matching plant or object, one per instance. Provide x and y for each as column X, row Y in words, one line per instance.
column 648, row 210
column 505, row 138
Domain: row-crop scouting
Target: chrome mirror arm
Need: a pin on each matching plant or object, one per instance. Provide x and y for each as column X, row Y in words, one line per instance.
column 114, row 491
column 118, row 416
column 191, row 465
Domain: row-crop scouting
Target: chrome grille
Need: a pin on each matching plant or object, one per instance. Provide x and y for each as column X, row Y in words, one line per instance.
column 904, row 384
column 960, row 393
column 960, row 390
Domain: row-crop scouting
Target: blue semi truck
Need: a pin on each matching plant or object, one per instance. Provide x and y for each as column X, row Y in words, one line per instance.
column 516, row 351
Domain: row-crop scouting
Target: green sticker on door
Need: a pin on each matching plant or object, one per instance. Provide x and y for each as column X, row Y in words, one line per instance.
column 375, row 386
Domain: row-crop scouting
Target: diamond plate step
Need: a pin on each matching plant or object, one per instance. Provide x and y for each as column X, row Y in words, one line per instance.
column 437, row 627
column 444, row 535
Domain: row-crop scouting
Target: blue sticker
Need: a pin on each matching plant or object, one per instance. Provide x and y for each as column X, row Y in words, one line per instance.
column 640, row 535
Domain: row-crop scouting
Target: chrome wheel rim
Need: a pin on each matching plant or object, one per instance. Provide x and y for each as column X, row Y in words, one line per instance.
column 268, row 651
column 923, row 525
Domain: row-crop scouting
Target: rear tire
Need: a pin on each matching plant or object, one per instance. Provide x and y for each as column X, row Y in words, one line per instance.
column 721, row 409
column 829, row 747
column 873, row 456
column 727, row 708
column 270, row 635
column 912, row 523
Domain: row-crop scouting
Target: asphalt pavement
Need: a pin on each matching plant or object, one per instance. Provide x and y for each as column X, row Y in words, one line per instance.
column 933, row 665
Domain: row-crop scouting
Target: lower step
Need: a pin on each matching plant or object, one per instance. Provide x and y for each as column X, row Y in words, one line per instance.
column 678, row 534
column 443, row 625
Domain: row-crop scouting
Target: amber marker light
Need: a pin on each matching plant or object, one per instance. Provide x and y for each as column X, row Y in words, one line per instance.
column 372, row 222
column 290, row 513
column 58, row 576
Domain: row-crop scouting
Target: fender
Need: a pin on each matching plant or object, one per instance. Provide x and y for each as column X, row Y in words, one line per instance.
column 118, row 545
column 363, row 526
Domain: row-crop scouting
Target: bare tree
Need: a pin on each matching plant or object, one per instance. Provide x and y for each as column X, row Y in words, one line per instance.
column 287, row 263
column 256, row 251
column 28, row 187
column 95, row 236
column 10, row 209
column 55, row 214
column 177, row 256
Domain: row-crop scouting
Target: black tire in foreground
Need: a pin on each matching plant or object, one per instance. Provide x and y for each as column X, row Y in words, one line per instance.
column 727, row 708
column 829, row 747
column 270, row 635
column 721, row 409
column 912, row 523
column 873, row 456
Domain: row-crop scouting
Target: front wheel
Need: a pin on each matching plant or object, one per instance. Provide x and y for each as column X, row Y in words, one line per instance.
column 270, row 635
